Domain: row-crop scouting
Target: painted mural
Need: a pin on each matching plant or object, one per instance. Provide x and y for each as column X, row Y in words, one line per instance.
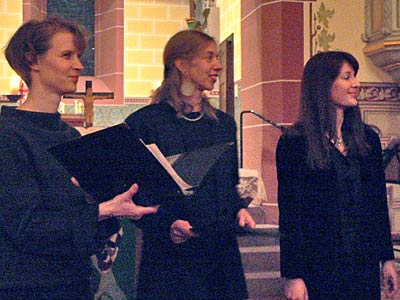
column 321, row 37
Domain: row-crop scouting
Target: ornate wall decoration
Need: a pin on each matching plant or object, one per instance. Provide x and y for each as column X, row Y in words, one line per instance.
column 320, row 38
column 379, row 92
column 382, row 35
column 201, row 11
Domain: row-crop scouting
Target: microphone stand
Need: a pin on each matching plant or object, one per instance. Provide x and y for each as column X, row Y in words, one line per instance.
column 280, row 127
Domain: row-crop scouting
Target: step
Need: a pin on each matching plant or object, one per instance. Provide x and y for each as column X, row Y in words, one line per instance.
column 271, row 212
column 258, row 213
column 266, row 213
column 262, row 235
column 262, row 274
column 266, row 288
column 260, row 257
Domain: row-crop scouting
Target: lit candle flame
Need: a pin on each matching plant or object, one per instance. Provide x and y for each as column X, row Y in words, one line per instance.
column 15, row 85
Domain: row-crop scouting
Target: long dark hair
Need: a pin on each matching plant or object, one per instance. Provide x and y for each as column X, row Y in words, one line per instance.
column 185, row 45
column 318, row 116
column 33, row 39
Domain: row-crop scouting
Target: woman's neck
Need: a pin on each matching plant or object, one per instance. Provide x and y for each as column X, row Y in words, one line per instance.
column 339, row 123
column 338, row 139
column 194, row 101
column 37, row 102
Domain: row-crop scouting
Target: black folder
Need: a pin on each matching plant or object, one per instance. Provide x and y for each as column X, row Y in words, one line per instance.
column 107, row 162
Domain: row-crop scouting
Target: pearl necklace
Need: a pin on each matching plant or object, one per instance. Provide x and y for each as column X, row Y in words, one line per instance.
column 193, row 120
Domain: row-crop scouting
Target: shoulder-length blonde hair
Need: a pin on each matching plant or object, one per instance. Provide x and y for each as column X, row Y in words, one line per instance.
column 185, row 45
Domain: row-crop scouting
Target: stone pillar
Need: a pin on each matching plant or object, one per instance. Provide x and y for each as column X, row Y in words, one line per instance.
column 109, row 44
column 34, row 9
column 272, row 64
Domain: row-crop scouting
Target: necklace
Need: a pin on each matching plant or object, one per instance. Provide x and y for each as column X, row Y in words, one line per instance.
column 193, row 119
column 338, row 142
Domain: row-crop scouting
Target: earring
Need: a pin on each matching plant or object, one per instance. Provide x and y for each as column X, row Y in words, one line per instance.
column 187, row 88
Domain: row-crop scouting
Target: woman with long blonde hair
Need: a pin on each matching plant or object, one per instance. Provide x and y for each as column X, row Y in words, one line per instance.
column 190, row 249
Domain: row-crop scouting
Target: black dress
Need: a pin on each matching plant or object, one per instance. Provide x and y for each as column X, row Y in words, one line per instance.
column 334, row 224
column 208, row 267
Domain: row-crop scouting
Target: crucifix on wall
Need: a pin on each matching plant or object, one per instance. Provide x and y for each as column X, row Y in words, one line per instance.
column 88, row 98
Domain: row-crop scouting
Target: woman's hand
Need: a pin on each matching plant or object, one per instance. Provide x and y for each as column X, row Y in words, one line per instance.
column 295, row 289
column 390, row 280
column 245, row 219
column 123, row 206
column 181, row 231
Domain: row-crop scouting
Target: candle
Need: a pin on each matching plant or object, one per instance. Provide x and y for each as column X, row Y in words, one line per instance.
column 15, row 85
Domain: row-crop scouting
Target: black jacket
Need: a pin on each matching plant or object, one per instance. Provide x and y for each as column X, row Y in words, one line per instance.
column 313, row 207
column 47, row 229
column 194, row 269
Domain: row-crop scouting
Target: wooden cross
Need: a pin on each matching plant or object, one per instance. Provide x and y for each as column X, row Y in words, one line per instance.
column 88, row 100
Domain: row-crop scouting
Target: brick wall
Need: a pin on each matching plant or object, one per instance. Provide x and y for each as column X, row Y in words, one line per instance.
column 148, row 26
column 10, row 20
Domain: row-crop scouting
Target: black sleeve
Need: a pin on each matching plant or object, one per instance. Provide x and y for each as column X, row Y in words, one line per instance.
column 290, row 170
column 377, row 193
column 41, row 211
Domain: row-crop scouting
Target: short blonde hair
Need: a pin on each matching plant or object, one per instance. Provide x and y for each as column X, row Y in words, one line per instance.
column 34, row 38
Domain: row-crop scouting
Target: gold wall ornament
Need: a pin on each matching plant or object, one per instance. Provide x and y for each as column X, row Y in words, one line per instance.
column 200, row 11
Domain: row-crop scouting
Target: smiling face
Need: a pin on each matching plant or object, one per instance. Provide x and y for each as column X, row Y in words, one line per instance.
column 344, row 90
column 57, row 71
column 204, row 68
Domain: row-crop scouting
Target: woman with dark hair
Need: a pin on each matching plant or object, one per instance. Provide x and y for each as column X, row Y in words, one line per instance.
column 334, row 225
column 48, row 228
column 190, row 248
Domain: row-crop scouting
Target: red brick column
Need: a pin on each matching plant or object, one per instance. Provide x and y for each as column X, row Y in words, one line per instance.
column 34, row 9
column 109, row 45
column 272, row 63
